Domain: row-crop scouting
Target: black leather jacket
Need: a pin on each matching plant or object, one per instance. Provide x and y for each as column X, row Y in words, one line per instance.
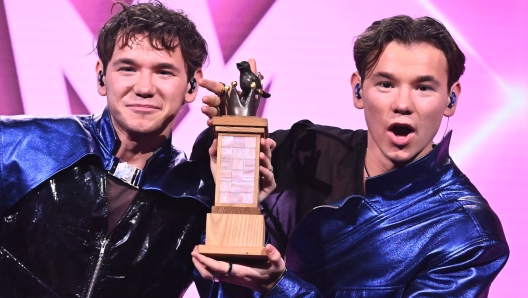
column 53, row 229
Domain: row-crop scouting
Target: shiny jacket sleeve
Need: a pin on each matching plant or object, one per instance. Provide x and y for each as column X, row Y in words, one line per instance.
column 467, row 272
column 292, row 286
column 208, row 289
column 289, row 286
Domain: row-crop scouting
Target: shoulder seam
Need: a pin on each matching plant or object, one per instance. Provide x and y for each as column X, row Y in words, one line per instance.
column 475, row 222
column 483, row 240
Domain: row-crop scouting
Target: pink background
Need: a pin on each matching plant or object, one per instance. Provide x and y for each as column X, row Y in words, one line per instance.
column 304, row 49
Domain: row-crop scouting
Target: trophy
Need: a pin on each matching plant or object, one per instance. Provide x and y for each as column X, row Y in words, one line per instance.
column 235, row 227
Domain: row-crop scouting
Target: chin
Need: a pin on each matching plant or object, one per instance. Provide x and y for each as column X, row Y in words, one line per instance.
column 401, row 158
column 141, row 128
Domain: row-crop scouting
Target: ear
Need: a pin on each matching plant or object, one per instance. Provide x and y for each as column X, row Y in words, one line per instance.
column 98, row 68
column 198, row 74
column 457, row 89
column 354, row 80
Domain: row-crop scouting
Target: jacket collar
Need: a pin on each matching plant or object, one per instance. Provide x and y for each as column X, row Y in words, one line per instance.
column 107, row 138
column 168, row 170
column 54, row 144
column 383, row 190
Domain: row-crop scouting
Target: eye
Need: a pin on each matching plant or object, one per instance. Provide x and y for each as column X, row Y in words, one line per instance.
column 385, row 85
column 424, row 88
column 165, row 73
column 127, row 69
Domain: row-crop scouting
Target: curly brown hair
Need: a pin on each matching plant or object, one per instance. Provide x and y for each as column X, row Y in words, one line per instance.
column 406, row 30
column 166, row 29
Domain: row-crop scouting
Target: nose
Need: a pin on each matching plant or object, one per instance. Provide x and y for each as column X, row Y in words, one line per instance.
column 144, row 86
column 402, row 103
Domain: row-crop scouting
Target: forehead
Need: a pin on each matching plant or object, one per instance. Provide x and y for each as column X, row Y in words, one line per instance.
column 417, row 59
column 139, row 47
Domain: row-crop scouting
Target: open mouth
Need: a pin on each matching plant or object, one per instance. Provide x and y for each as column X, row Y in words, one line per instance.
column 401, row 130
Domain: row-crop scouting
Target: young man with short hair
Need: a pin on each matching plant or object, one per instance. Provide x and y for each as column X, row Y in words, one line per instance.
column 383, row 212
column 103, row 205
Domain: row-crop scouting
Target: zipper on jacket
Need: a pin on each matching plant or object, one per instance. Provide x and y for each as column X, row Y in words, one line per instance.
column 105, row 241
column 97, row 267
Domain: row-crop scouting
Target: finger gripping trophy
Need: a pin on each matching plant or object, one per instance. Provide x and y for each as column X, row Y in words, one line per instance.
column 235, row 227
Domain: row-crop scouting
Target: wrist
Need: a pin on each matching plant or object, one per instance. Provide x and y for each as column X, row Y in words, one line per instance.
column 270, row 286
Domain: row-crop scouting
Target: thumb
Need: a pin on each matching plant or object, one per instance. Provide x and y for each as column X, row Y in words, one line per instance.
column 277, row 268
column 273, row 255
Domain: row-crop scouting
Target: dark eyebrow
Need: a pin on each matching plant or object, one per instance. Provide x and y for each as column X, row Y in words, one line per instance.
column 167, row 66
column 424, row 79
column 128, row 61
column 420, row 79
column 382, row 74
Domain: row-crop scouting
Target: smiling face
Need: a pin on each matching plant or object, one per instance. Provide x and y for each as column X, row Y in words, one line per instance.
column 404, row 98
column 145, row 89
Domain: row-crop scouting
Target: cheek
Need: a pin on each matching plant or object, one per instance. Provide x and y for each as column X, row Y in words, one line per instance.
column 374, row 121
column 432, row 119
column 430, row 108
column 172, row 96
column 172, row 92
column 379, row 102
column 376, row 111
column 118, row 89
column 439, row 111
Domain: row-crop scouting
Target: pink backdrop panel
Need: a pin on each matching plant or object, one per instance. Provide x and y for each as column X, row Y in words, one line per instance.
column 304, row 49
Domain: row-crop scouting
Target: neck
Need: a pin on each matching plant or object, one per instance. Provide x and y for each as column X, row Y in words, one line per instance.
column 374, row 163
column 137, row 150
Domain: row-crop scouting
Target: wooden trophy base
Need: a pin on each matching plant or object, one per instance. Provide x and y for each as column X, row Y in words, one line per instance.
column 233, row 252
column 234, row 236
column 235, row 227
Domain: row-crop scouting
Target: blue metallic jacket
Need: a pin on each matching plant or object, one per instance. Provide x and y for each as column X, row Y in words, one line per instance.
column 420, row 231
column 54, row 236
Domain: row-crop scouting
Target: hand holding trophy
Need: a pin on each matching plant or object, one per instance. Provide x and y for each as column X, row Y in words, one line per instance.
column 235, row 228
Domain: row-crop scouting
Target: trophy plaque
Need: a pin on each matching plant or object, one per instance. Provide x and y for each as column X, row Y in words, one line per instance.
column 235, row 227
